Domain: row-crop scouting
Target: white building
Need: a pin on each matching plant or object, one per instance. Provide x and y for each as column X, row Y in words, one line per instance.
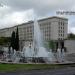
column 53, row 28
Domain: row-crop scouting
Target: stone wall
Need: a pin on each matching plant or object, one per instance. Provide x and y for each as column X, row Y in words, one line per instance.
column 70, row 45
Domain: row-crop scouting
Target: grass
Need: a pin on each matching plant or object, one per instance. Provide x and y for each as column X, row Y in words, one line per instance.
column 22, row 67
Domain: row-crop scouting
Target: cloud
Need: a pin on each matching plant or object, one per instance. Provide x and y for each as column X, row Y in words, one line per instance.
column 72, row 30
column 10, row 18
column 40, row 6
column 4, row 10
column 18, row 11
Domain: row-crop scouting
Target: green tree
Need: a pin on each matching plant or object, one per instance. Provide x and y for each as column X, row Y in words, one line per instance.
column 13, row 40
column 17, row 40
column 4, row 40
column 51, row 44
column 71, row 36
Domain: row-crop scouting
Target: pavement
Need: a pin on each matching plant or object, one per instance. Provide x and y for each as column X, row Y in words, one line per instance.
column 64, row 71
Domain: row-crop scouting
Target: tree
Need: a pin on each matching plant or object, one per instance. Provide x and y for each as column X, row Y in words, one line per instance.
column 13, row 40
column 51, row 44
column 4, row 41
column 17, row 40
column 71, row 36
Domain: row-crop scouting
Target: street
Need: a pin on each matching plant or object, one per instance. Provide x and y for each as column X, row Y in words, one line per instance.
column 66, row 71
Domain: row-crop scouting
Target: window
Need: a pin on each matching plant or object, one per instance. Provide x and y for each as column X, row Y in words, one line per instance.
column 58, row 23
column 61, row 23
column 59, row 34
column 63, row 35
column 59, row 31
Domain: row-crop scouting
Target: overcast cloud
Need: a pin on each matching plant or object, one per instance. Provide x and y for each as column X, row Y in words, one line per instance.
column 14, row 12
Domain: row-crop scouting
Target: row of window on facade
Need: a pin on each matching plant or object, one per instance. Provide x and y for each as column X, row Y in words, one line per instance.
column 62, row 35
column 45, row 24
column 30, row 37
column 61, row 27
column 61, row 23
column 30, row 28
column 60, row 39
column 61, row 31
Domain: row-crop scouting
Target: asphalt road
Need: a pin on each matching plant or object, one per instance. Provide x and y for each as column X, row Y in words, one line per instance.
column 67, row 71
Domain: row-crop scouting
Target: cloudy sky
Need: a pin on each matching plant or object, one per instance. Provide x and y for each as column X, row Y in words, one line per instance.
column 14, row 12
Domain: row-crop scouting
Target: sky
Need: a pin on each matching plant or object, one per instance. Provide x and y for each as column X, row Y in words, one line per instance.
column 13, row 12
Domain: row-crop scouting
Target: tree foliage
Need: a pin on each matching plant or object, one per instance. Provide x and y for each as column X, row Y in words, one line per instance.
column 71, row 36
column 15, row 40
column 51, row 44
column 4, row 40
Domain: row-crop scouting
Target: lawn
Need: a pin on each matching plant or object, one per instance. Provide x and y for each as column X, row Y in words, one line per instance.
column 22, row 67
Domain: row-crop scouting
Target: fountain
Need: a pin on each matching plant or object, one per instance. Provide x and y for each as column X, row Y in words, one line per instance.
column 60, row 55
column 35, row 52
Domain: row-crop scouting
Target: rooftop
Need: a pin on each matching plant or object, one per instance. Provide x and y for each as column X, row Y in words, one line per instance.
column 38, row 20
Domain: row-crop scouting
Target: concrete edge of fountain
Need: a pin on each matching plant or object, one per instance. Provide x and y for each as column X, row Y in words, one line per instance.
column 63, row 63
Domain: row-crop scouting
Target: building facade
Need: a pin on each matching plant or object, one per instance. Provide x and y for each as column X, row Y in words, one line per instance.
column 53, row 28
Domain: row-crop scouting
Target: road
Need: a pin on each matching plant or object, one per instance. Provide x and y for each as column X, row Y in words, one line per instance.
column 67, row 71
